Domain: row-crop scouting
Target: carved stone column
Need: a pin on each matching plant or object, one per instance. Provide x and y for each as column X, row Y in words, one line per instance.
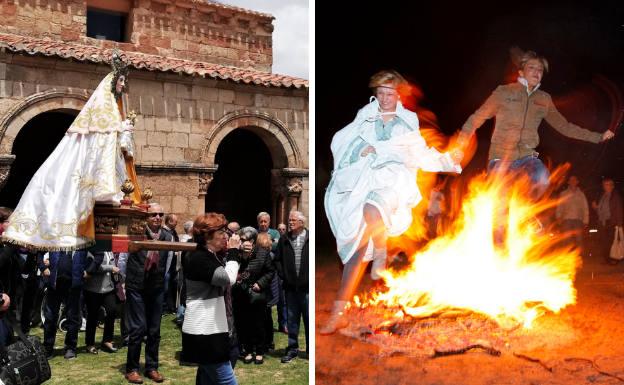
column 5, row 168
column 205, row 177
column 204, row 182
column 277, row 197
column 294, row 187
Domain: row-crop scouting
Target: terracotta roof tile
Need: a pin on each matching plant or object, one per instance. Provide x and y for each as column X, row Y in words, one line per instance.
column 46, row 47
column 220, row 4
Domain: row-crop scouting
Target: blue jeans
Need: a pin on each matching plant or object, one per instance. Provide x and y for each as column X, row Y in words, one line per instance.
column 71, row 296
column 180, row 313
column 297, row 304
column 215, row 374
column 529, row 165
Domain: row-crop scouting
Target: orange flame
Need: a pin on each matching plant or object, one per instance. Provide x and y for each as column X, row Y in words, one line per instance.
column 516, row 278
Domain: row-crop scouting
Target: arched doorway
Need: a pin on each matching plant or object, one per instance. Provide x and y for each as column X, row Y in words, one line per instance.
column 32, row 146
column 241, row 187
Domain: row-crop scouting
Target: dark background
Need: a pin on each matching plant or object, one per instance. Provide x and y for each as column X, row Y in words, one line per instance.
column 457, row 54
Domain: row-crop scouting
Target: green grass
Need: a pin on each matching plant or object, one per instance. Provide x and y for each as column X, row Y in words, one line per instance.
column 108, row 369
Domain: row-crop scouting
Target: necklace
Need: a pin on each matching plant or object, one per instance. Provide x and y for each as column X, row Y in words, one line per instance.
column 219, row 260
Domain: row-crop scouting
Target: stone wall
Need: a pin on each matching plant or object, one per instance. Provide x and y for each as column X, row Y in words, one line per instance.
column 181, row 121
column 183, row 29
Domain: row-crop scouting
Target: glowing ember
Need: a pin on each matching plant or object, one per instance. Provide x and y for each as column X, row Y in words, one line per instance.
column 516, row 279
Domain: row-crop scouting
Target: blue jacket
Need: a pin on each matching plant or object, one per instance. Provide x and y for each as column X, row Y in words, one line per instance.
column 79, row 262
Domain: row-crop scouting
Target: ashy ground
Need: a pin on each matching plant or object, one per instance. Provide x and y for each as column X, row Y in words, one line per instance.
column 584, row 344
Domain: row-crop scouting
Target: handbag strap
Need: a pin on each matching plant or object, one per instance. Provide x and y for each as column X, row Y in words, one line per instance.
column 9, row 316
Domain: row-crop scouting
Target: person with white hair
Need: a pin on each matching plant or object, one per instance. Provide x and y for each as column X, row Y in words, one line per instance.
column 264, row 226
column 291, row 262
column 188, row 231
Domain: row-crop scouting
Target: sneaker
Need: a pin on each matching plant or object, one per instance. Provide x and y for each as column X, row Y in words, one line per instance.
column 290, row 355
column 49, row 351
column 70, row 354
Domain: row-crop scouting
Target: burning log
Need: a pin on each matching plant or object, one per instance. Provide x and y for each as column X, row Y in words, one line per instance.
column 488, row 349
column 536, row 360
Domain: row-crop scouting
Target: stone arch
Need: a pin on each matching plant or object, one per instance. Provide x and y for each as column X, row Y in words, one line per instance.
column 272, row 131
column 15, row 119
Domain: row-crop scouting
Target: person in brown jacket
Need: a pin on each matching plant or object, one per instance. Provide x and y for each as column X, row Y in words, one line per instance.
column 519, row 108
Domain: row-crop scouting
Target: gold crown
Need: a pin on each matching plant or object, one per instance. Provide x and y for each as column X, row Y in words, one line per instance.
column 120, row 67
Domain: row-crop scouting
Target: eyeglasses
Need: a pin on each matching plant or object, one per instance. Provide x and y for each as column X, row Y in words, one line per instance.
column 152, row 215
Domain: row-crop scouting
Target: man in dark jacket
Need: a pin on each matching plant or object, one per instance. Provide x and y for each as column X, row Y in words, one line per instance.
column 5, row 302
column 63, row 275
column 291, row 262
column 610, row 216
column 145, row 274
column 8, row 278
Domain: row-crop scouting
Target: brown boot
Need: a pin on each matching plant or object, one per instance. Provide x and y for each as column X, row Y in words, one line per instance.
column 337, row 319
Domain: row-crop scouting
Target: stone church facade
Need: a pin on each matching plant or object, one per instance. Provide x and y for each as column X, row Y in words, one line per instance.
column 198, row 71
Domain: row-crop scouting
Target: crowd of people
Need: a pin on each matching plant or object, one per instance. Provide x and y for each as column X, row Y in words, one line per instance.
column 222, row 294
column 573, row 216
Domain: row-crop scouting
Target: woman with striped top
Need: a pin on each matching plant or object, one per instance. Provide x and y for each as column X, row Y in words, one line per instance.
column 205, row 331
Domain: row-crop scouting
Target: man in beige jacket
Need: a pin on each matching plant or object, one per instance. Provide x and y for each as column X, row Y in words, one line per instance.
column 519, row 108
column 573, row 211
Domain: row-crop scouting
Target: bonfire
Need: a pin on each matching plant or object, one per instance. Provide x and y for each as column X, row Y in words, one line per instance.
column 482, row 282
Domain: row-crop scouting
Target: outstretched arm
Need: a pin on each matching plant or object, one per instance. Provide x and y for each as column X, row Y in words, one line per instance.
column 561, row 124
column 486, row 111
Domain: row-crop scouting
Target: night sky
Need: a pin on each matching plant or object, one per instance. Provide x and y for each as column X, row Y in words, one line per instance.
column 457, row 55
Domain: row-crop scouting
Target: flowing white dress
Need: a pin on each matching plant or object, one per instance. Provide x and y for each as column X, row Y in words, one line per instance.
column 386, row 179
column 87, row 166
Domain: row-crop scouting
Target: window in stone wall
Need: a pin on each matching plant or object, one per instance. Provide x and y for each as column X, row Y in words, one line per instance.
column 106, row 24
